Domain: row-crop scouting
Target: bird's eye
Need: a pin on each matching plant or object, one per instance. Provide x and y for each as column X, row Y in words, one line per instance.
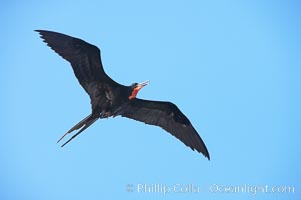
column 134, row 85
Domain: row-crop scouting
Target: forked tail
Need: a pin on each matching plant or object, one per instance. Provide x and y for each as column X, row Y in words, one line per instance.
column 82, row 125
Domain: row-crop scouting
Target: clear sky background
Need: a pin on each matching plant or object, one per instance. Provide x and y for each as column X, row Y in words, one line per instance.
column 233, row 67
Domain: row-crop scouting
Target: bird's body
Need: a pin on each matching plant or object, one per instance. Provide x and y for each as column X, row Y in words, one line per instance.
column 110, row 99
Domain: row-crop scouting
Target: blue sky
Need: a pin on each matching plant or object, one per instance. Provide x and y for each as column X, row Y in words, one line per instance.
column 233, row 67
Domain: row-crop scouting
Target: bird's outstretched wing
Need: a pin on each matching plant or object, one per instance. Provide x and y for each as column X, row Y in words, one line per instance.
column 84, row 58
column 168, row 116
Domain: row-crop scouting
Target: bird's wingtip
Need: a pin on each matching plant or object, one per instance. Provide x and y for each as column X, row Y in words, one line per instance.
column 40, row 32
column 207, row 155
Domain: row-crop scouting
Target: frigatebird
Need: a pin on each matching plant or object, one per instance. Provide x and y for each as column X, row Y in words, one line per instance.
column 110, row 99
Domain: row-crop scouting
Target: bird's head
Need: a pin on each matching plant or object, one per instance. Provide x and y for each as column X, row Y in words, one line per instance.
column 135, row 87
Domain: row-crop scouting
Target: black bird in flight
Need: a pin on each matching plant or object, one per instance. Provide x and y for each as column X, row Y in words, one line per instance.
column 110, row 99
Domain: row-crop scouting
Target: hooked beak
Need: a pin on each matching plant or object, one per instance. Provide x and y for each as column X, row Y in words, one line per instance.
column 141, row 85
